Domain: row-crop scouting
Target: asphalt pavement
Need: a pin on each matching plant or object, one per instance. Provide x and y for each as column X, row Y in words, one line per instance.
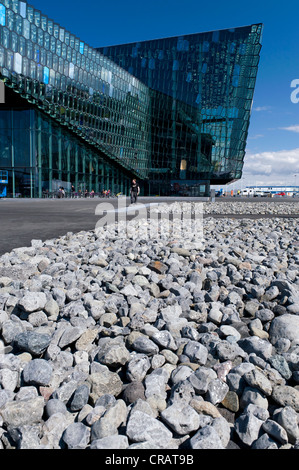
column 22, row 220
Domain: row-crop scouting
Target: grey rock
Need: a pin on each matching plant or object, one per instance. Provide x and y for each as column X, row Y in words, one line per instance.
column 196, row 352
column 55, row 406
column 144, row 345
column 216, row 391
column 280, row 364
column 104, row 382
column 256, row 345
column 138, row 367
column 288, row 419
column 69, row 336
column 76, row 436
column 284, row 326
column 133, row 391
column 32, row 342
column 257, row 379
column 116, row 441
column 9, row 379
column 115, row 356
column 33, row 301
column 285, row 395
column 79, row 398
column 181, row 419
column 248, row 427
column 37, row 372
column 264, row 442
column 201, row 378
column 223, row 430
column 276, row 431
column 23, row 412
column 142, row 427
column 206, row 438
column 110, row 421
column 164, row 339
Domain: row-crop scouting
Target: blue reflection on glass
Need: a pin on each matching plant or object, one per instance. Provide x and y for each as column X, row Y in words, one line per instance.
column 46, row 75
column 2, row 15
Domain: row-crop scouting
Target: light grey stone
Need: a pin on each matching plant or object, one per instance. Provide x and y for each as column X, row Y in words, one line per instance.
column 37, row 372
column 216, row 391
column 76, row 436
column 181, row 419
column 206, row 438
column 23, row 412
column 33, row 301
column 196, row 352
column 116, row 441
column 288, row 419
column 142, row 427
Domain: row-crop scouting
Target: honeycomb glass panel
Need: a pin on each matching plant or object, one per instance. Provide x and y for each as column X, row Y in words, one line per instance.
column 173, row 111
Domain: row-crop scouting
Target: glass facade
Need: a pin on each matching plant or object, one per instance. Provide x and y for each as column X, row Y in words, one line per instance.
column 201, row 96
column 40, row 156
column 173, row 112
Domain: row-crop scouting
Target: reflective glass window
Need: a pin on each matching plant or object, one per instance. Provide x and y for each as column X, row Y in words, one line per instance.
column 2, row 57
column 30, row 13
column 2, row 15
column 52, row 44
column 18, row 24
column 14, row 42
column 29, row 47
column 33, row 33
column 40, row 37
column 22, row 46
column 32, row 69
column 5, row 37
column 61, row 34
column 56, row 31
column 26, row 28
column 46, row 41
column 44, row 23
column 23, row 9
column 10, row 17
column 15, row 6
column 50, row 27
column 37, row 18
column 58, row 47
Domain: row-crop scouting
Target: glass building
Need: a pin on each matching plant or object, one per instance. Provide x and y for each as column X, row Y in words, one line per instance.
column 173, row 113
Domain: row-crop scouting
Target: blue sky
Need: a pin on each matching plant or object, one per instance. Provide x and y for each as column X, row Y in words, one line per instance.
column 272, row 153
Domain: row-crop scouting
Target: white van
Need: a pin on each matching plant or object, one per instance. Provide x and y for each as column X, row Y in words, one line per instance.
column 247, row 192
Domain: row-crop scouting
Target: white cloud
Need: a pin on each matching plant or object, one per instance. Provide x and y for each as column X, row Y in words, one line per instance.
column 271, row 167
column 257, row 136
column 291, row 128
column 262, row 108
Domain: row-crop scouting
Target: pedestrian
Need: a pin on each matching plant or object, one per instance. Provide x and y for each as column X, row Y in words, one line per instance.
column 134, row 191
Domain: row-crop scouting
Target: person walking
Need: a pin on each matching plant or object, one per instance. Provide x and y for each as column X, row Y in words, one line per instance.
column 134, row 191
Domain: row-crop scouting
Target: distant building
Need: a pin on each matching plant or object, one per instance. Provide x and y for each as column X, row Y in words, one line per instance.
column 172, row 112
column 280, row 190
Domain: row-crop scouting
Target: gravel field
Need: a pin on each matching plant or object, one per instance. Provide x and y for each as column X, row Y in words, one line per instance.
column 154, row 335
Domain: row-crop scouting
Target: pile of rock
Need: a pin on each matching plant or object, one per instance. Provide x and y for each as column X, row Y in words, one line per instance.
column 272, row 206
column 123, row 342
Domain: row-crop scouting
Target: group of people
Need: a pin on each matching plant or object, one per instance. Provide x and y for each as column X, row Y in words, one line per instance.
column 134, row 192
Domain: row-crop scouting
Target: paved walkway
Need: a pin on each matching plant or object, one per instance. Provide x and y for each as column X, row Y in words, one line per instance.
column 22, row 220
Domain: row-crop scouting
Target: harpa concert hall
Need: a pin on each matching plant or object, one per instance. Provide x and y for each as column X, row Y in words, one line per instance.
column 172, row 112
